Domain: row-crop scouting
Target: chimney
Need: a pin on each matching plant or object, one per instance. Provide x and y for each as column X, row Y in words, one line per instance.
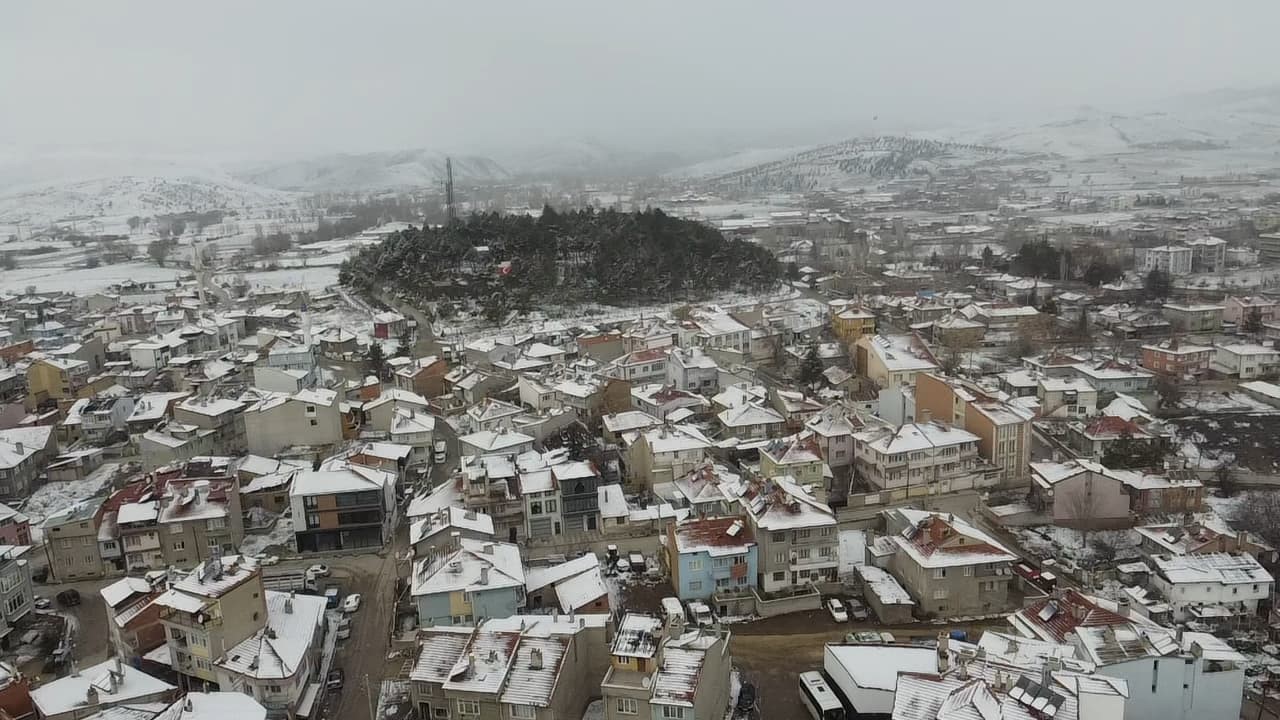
column 924, row 416
column 17, row 447
column 944, row 652
column 288, row 604
column 187, row 706
column 1122, row 607
column 488, row 548
column 114, row 680
column 535, row 659
column 1051, row 665
column 91, row 696
column 484, row 575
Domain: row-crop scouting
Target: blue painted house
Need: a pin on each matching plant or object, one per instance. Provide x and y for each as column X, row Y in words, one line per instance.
column 481, row 579
column 711, row 555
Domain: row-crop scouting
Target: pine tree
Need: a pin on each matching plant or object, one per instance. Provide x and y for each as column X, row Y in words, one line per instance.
column 811, row 367
column 1252, row 324
column 375, row 361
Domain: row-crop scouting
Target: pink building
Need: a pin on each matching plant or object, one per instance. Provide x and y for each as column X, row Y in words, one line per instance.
column 15, row 529
column 1236, row 309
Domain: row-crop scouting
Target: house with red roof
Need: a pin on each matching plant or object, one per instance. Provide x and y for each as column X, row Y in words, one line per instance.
column 949, row 567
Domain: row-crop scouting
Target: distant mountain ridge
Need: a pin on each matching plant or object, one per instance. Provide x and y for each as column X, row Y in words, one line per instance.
column 392, row 170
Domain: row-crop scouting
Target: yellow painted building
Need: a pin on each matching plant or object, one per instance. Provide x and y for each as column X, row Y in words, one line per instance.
column 852, row 323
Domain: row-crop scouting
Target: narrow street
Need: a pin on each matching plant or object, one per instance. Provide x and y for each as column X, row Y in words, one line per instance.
column 364, row 654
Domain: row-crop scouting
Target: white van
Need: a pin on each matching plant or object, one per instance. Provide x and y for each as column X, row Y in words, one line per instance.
column 672, row 610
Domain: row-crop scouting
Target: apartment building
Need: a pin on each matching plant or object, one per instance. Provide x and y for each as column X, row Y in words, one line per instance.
column 693, row 370
column 58, row 379
column 276, row 663
column 1175, row 260
column 1208, row 254
column 440, row 531
column 101, row 417
column 705, row 556
column 531, row 667
column 1238, row 309
column 1079, row 494
column 1173, row 357
column 478, row 580
column 930, row 457
column 1205, row 587
column 133, row 619
column 217, row 606
column 223, row 416
column 661, row 670
column 1003, row 428
column 948, row 566
column 1114, row 376
column 423, row 376
column 307, row 418
column 796, row 534
column 342, row 506
column 639, row 367
column 1246, row 360
column 851, row 324
column 1069, row 397
column 25, row 452
column 665, row 453
column 71, row 541
column 1194, row 317
column 832, row 430
column 892, row 361
column 17, row 596
column 750, row 421
column 798, row 458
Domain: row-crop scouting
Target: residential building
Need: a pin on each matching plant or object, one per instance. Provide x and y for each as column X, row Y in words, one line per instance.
column 709, row 490
column 423, row 376
column 17, row 596
column 53, row 378
column 215, row 607
column 658, row 672
column 614, row 425
column 573, row 586
column 750, row 421
column 281, row 658
column 1194, row 317
column 852, row 323
column 1237, row 310
column 379, row 412
column 1168, row 492
column 415, row 430
column 500, row 442
column 641, row 366
column 439, row 532
column 948, row 566
column 101, row 417
column 693, row 370
column 661, row 400
column 798, row 458
column 490, row 485
column 1246, row 361
column 133, row 620
column 24, row 454
column 833, row 430
column 892, row 361
column 478, row 580
column 710, row 555
column 93, row 689
column 541, row 494
column 223, row 416
column 1179, row 359
column 15, row 527
column 1114, row 376
column 1204, row 587
column 659, row 455
column 1003, row 428
column 1071, row 398
column 307, row 418
column 1174, row 260
column 491, row 414
column 1170, row 673
column 71, row 536
column 714, row 328
column 342, row 506
column 796, row 536
column 1079, row 494
column 1093, row 437
column 534, row 667
column 922, row 458
column 1269, row 247
column 1208, row 254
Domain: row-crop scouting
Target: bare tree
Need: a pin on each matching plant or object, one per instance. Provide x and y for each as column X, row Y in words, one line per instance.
column 1259, row 513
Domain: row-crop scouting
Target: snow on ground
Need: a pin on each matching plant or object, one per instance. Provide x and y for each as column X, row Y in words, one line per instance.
column 1218, row 402
column 54, row 496
column 84, row 280
column 1189, row 450
column 312, row 278
column 1224, row 508
column 280, row 536
column 1046, row 541
column 853, row 550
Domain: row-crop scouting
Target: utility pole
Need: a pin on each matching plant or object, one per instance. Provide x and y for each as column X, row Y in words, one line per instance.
column 373, row 708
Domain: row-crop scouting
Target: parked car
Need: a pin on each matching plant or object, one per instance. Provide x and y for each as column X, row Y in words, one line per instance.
column 68, row 598
column 836, row 608
column 857, row 610
column 344, row 628
column 335, row 679
column 351, row 603
column 441, row 452
column 331, row 596
column 40, row 575
column 869, row 637
column 700, row 613
column 318, row 571
column 42, row 603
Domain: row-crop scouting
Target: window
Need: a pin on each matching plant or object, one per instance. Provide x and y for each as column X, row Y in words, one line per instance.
column 803, row 553
column 551, row 506
column 468, row 707
column 216, row 524
column 441, row 712
column 310, row 501
column 968, row 571
column 14, row 603
column 627, row 706
column 826, row 531
column 671, row 711
column 940, row 594
column 273, row 688
column 695, row 564
column 535, row 508
column 803, row 534
column 179, row 545
column 779, row 537
column 520, row 712
column 695, row 586
column 175, row 529
column 824, row 551
column 313, row 422
column 780, row 557
column 313, row 520
column 939, row 573
column 722, row 582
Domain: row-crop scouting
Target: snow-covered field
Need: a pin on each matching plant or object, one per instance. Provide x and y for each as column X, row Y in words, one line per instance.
column 1046, row 541
column 313, row 278
column 1220, row 402
column 84, row 280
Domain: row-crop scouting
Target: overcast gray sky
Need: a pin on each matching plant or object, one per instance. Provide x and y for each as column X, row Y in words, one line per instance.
column 315, row 75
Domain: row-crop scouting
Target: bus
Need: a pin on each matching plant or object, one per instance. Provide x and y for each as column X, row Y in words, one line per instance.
column 818, row 698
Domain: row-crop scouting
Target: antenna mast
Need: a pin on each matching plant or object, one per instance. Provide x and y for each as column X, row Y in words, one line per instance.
column 450, row 208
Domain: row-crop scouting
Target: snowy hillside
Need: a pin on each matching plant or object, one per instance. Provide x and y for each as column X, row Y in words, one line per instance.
column 373, row 171
column 852, row 162
column 590, row 159
column 121, row 197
